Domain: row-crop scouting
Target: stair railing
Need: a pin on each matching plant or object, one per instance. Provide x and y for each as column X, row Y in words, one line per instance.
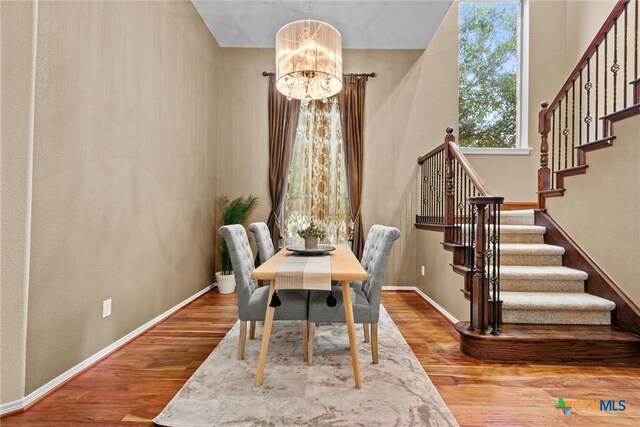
column 455, row 200
column 603, row 87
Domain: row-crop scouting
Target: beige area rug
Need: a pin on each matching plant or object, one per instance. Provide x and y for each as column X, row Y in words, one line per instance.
column 396, row 392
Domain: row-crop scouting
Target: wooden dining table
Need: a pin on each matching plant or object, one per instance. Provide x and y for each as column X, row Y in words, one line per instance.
column 345, row 268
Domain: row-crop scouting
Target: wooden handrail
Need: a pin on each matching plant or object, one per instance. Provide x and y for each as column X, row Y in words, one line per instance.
column 454, row 149
column 471, row 172
column 617, row 11
column 431, row 153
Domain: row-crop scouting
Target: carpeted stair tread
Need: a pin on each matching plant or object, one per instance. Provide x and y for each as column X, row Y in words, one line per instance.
column 530, row 249
column 540, row 273
column 545, row 301
column 525, row 217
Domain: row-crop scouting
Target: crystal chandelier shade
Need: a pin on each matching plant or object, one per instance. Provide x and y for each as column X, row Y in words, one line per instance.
column 308, row 60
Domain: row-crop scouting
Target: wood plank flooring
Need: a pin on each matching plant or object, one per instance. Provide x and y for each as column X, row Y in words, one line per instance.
column 133, row 385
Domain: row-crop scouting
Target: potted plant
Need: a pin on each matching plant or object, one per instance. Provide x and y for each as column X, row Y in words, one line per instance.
column 311, row 235
column 235, row 211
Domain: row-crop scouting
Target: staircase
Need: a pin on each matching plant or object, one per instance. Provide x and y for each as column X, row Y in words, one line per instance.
column 535, row 296
column 535, row 287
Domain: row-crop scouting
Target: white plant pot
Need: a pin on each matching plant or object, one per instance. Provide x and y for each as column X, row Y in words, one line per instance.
column 226, row 283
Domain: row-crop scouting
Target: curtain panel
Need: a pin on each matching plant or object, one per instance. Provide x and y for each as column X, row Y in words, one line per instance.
column 351, row 104
column 317, row 188
column 283, row 122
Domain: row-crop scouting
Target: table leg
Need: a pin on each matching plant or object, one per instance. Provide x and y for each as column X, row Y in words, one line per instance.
column 351, row 327
column 266, row 336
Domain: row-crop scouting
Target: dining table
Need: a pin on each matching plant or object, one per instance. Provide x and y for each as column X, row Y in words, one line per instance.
column 345, row 268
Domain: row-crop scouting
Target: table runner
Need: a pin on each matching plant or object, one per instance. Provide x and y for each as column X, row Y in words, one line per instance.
column 303, row 272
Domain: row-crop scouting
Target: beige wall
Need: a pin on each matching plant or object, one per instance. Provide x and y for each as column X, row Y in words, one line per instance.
column 601, row 209
column 18, row 35
column 123, row 178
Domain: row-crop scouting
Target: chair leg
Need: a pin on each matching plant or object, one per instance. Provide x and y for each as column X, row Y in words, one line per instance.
column 374, row 343
column 311, row 340
column 305, row 341
column 243, row 339
column 365, row 327
column 252, row 329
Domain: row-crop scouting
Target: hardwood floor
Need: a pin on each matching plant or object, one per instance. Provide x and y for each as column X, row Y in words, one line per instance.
column 133, row 385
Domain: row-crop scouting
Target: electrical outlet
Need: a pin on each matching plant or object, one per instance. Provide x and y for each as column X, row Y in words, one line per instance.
column 106, row 308
column 422, row 269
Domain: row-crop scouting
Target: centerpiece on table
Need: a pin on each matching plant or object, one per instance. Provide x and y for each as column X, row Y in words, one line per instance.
column 311, row 236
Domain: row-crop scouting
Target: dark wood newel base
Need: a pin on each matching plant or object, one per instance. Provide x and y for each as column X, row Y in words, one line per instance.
column 552, row 344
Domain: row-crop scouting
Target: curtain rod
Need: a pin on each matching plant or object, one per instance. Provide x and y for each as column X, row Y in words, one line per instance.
column 267, row 73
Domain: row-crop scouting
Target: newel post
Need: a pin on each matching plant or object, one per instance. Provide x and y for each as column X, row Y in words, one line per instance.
column 544, row 173
column 480, row 291
column 449, row 207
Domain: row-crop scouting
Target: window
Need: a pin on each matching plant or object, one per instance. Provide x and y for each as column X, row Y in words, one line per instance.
column 489, row 62
column 317, row 187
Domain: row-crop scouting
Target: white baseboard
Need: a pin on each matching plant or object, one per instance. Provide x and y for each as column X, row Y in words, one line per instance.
column 61, row 379
column 450, row 317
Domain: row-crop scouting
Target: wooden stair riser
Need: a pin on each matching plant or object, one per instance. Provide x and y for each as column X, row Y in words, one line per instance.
column 521, row 238
column 530, row 259
column 556, row 317
column 528, row 285
column 553, row 344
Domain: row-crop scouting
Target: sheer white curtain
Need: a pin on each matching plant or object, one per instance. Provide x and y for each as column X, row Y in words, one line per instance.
column 317, row 188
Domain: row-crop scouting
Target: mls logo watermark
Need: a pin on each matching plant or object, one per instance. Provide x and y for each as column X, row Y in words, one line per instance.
column 565, row 406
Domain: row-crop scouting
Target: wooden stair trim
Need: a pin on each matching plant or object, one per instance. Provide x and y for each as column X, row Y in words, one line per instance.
column 519, row 206
column 626, row 314
column 433, row 227
column 552, row 344
column 597, row 144
column 625, row 113
column 563, row 173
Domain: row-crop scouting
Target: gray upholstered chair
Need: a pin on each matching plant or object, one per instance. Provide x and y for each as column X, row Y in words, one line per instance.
column 264, row 243
column 263, row 240
column 366, row 299
column 252, row 300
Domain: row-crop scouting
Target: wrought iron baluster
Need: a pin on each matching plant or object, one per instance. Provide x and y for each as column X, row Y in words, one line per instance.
column 588, row 87
column 573, row 123
column 553, row 147
column 421, row 192
column 624, row 104
column 605, row 72
column 580, row 112
column 565, row 131
column 472, row 232
column 635, row 45
column 597, row 117
column 494, row 273
column 615, row 67
column 559, row 131
column 439, row 186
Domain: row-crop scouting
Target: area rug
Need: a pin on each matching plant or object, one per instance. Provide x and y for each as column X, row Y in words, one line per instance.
column 396, row 392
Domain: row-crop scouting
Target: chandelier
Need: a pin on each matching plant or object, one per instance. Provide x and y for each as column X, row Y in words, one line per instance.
column 308, row 60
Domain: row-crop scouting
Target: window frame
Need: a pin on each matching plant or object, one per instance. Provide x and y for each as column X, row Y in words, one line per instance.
column 522, row 87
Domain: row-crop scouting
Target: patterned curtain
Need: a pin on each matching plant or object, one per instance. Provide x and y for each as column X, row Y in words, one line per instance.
column 317, row 186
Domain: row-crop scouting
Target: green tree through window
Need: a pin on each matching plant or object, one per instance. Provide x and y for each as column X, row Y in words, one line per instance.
column 489, row 70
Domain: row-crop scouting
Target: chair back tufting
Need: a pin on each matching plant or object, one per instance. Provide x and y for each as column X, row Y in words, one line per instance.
column 263, row 240
column 242, row 262
column 374, row 261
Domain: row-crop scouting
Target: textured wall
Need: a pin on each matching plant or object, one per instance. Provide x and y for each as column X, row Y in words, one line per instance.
column 601, row 210
column 18, row 35
column 124, row 173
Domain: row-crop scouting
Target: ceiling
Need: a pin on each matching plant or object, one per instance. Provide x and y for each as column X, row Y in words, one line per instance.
column 369, row 24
